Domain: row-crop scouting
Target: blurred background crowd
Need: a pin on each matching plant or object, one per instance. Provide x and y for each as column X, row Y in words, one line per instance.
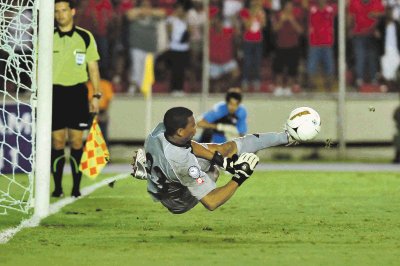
column 276, row 46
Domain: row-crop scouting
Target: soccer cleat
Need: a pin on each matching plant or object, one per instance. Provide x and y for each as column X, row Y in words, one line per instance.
column 291, row 140
column 139, row 165
column 57, row 194
column 76, row 193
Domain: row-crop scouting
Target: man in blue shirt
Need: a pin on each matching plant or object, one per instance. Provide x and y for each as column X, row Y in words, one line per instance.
column 227, row 120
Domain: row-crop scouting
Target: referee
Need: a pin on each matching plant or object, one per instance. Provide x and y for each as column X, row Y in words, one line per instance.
column 75, row 60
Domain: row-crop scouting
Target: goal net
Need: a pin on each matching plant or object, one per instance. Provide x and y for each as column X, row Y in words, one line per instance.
column 18, row 39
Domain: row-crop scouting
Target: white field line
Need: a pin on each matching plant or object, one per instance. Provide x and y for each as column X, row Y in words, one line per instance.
column 34, row 221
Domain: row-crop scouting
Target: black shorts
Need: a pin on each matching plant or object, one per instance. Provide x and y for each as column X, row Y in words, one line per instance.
column 286, row 58
column 70, row 107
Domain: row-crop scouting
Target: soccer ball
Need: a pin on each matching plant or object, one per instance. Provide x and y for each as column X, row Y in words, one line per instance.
column 303, row 124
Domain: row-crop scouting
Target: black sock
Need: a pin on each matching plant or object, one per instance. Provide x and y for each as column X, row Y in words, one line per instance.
column 75, row 160
column 57, row 167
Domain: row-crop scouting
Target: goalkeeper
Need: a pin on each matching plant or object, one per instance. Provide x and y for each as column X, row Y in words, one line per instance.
column 181, row 172
column 75, row 60
column 226, row 121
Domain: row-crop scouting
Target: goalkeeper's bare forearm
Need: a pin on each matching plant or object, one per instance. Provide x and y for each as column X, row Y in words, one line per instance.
column 244, row 168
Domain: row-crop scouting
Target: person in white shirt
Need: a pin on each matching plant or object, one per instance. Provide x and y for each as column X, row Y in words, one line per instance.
column 177, row 56
column 388, row 32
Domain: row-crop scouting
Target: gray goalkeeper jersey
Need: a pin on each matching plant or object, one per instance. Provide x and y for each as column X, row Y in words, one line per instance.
column 176, row 178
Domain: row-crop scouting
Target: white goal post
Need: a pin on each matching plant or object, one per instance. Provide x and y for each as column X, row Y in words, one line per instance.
column 25, row 109
column 44, row 107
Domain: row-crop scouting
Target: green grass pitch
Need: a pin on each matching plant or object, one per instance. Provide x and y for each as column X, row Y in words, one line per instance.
column 275, row 218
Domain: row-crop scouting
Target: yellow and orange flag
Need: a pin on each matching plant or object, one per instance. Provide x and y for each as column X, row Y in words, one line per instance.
column 95, row 153
column 148, row 75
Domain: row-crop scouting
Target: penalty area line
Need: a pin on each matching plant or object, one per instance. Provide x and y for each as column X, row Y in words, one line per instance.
column 7, row 234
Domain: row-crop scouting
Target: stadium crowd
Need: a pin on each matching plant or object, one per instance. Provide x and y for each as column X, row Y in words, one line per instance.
column 277, row 46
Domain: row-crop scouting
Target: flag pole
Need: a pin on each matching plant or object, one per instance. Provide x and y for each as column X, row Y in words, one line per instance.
column 149, row 102
column 147, row 90
column 205, row 91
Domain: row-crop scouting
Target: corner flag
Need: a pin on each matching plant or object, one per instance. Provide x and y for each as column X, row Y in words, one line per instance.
column 148, row 77
column 95, row 153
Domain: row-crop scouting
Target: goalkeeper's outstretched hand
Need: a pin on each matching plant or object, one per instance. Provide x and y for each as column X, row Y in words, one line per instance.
column 224, row 162
column 244, row 167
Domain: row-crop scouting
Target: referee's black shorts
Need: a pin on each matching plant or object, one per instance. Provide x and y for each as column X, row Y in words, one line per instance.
column 70, row 107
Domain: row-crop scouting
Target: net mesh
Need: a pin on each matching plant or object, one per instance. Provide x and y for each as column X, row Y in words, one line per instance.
column 18, row 39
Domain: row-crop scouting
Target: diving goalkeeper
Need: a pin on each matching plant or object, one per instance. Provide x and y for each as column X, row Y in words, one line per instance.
column 181, row 173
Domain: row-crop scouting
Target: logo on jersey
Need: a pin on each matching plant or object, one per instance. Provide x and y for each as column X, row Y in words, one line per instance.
column 194, row 172
column 199, row 181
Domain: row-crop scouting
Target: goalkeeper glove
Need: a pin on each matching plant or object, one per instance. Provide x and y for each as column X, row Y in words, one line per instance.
column 225, row 162
column 244, row 167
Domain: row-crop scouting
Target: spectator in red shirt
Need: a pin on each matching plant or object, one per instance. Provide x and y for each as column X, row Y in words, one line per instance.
column 122, row 6
column 254, row 20
column 224, row 69
column 288, row 29
column 167, row 5
column 363, row 17
column 321, row 33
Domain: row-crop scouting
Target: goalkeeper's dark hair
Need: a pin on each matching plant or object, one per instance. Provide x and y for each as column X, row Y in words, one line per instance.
column 234, row 93
column 71, row 3
column 175, row 118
